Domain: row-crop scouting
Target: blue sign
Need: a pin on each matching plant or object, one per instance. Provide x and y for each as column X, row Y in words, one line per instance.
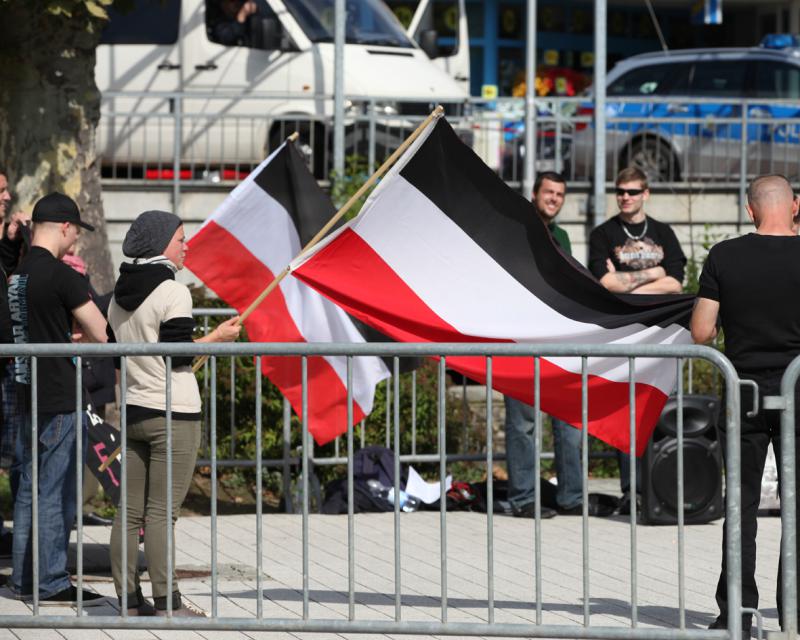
column 706, row 12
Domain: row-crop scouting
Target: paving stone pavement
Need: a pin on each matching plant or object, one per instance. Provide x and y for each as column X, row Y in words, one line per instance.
column 467, row 591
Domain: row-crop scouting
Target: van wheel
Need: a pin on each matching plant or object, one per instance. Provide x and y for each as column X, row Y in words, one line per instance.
column 653, row 156
column 312, row 143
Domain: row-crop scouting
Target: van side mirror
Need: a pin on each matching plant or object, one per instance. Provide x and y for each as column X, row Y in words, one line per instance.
column 427, row 42
column 265, row 33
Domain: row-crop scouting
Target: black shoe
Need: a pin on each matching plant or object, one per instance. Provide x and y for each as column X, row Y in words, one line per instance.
column 722, row 623
column 624, row 508
column 529, row 511
column 6, row 544
column 93, row 520
column 577, row 510
column 69, row 598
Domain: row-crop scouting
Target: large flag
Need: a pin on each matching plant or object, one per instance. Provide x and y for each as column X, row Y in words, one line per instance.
column 240, row 249
column 444, row 251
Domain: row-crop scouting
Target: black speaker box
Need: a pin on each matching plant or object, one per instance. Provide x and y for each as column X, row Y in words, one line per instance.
column 702, row 464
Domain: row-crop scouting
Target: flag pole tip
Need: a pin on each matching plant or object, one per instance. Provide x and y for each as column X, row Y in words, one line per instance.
column 438, row 111
column 293, row 137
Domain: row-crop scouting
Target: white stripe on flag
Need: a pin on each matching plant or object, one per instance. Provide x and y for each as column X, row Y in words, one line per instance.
column 267, row 231
column 473, row 293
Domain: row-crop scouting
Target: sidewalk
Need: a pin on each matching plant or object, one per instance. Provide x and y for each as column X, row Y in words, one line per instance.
column 562, row 583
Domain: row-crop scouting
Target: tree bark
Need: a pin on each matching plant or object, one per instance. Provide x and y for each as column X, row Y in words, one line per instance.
column 49, row 110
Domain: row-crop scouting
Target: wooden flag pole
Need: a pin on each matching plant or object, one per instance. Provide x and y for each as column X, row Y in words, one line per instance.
column 434, row 115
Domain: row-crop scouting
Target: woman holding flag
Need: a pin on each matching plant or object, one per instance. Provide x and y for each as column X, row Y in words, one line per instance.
column 150, row 306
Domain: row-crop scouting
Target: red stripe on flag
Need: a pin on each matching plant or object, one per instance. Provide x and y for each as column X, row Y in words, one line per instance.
column 238, row 279
column 354, row 276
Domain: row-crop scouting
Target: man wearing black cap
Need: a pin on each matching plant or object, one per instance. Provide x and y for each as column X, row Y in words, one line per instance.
column 50, row 303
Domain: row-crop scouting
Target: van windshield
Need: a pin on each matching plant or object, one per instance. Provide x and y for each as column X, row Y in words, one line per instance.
column 368, row 22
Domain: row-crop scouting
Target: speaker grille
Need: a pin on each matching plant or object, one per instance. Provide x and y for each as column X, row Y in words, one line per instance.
column 701, row 475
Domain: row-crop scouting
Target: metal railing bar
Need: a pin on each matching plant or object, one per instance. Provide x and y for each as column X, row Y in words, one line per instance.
column 35, row 480
column 286, row 461
column 397, row 499
column 489, row 495
column 387, row 627
column 537, row 527
column 259, row 497
column 169, row 474
column 788, row 499
column 351, row 535
column 441, row 418
column 79, row 443
column 632, row 492
column 681, row 515
column 305, row 472
column 123, row 489
column 214, row 576
column 585, row 465
column 414, row 412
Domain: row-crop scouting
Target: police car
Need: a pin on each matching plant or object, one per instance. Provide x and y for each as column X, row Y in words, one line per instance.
column 679, row 115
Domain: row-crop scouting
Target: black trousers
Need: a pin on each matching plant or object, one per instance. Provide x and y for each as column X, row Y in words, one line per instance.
column 756, row 434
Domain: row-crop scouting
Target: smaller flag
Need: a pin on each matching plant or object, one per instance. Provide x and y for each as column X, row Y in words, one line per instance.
column 239, row 250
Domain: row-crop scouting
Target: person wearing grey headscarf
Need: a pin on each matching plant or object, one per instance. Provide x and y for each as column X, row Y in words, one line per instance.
column 149, row 305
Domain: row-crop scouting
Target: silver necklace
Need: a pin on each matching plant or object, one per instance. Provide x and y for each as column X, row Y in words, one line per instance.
column 630, row 235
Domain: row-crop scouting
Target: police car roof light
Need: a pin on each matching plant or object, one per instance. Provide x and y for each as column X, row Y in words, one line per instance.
column 780, row 41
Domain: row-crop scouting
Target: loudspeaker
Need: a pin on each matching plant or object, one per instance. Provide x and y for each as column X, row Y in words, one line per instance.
column 702, row 464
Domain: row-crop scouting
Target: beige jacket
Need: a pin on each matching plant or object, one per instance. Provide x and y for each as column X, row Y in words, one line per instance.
column 147, row 374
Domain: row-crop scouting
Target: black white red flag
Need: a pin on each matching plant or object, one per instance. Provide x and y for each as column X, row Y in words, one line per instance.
column 444, row 251
column 240, row 249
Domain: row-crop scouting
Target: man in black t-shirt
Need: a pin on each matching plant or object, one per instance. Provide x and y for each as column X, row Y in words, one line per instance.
column 632, row 252
column 47, row 299
column 750, row 283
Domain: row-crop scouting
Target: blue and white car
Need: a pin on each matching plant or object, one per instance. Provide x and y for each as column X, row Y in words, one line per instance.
column 679, row 115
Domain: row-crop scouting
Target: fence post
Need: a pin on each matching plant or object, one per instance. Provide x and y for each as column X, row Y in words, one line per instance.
column 177, row 152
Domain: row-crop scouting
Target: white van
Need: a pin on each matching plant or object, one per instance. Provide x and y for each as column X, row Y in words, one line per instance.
column 238, row 96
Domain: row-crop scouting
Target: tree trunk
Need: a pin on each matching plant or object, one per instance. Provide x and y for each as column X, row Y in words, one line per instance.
column 49, row 109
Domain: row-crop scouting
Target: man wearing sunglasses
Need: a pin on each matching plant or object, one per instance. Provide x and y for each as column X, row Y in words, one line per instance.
column 632, row 252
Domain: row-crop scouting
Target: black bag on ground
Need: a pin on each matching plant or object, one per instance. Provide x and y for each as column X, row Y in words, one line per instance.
column 370, row 463
column 364, row 501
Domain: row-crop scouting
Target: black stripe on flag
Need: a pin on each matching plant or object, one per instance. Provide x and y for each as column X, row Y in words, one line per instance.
column 288, row 180
column 505, row 226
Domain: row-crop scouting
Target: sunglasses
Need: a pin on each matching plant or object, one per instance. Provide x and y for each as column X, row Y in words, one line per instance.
column 630, row 192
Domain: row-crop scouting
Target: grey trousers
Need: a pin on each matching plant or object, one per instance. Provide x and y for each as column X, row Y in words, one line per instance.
column 147, row 499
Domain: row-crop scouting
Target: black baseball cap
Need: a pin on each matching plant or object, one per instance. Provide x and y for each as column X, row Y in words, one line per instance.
column 56, row 207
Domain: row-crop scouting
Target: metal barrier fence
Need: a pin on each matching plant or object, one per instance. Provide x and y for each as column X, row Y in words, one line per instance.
column 680, row 142
column 305, row 622
column 289, row 462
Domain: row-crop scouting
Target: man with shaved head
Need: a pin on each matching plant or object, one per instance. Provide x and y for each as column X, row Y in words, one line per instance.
column 750, row 284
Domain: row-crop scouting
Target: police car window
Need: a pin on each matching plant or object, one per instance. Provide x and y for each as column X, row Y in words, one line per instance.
column 643, row 81
column 718, row 78
column 228, row 22
column 777, row 80
column 146, row 22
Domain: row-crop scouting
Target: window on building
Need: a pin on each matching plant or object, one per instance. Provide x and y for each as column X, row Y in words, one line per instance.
column 146, row 22
column 777, row 80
